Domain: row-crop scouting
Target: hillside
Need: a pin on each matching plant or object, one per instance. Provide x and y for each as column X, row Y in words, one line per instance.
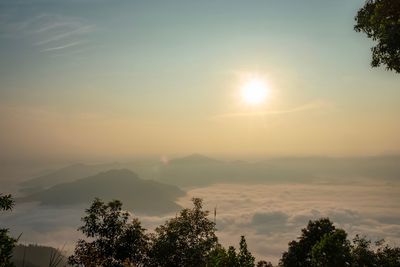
column 37, row 256
column 142, row 196
column 194, row 159
column 197, row 170
column 63, row 175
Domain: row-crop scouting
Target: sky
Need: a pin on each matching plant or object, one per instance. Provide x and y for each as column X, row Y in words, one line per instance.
column 87, row 79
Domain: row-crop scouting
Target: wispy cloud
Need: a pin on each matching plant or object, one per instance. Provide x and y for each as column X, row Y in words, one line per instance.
column 315, row 105
column 48, row 32
column 61, row 47
column 57, row 24
column 64, row 35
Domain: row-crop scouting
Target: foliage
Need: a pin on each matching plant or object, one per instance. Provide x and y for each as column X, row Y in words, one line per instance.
column 220, row 257
column 321, row 244
column 364, row 255
column 264, row 264
column 189, row 239
column 299, row 252
column 115, row 241
column 332, row 251
column 380, row 20
column 186, row 240
column 6, row 202
column 245, row 259
column 232, row 257
column 7, row 243
column 388, row 256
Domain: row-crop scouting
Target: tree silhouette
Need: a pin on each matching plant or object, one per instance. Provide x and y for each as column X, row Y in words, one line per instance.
column 189, row 239
column 115, row 241
column 264, row 264
column 219, row 257
column 380, row 20
column 362, row 253
column 186, row 240
column 299, row 252
column 365, row 255
column 7, row 243
column 245, row 259
column 332, row 250
column 232, row 257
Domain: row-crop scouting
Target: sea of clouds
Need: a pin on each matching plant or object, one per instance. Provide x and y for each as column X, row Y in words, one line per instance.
column 269, row 216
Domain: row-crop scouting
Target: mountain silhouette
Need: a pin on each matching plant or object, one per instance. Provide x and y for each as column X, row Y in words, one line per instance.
column 138, row 195
column 63, row 175
column 195, row 159
column 199, row 170
column 37, row 256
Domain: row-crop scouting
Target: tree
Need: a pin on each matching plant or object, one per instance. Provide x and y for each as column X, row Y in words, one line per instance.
column 7, row 243
column 388, row 256
column 380, row 20
column 362, row 253
column 115, row 241
column 186, row 240
column 263, row 263
column 245, row 258
column 6, row 202
column 218, row 257
column 299, row 252
column 232, row 257
column 333, row 250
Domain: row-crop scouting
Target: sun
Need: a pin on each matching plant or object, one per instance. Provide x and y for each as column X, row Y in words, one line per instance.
column 254, row 91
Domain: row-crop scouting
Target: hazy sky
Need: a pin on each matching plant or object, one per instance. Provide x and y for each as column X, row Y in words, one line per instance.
column 122, row 78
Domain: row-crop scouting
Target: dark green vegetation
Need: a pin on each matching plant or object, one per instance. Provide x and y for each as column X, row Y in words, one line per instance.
column 142, row 196
column 189, row 239
column 321, row 244
column 7, row 243
column 186, row 240
column 116, row 241
column 380, row 21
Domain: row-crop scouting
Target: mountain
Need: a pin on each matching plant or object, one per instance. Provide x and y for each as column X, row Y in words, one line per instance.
column 141, row 196
column 194, row 159
column 37, row 256
column 198, row 170
column 66, row 174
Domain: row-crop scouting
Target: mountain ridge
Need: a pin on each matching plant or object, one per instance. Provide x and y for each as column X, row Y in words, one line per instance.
column 142, row 196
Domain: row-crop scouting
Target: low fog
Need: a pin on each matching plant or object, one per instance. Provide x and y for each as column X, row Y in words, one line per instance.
column 268, row 201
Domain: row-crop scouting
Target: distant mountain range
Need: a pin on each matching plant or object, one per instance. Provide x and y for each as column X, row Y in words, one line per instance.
column 66, row 174
column 138, row 195
column 200, row 170
column 37, row 256
column 194, row 159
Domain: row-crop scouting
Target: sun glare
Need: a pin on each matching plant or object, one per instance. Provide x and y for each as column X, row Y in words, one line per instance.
column 254, row 92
